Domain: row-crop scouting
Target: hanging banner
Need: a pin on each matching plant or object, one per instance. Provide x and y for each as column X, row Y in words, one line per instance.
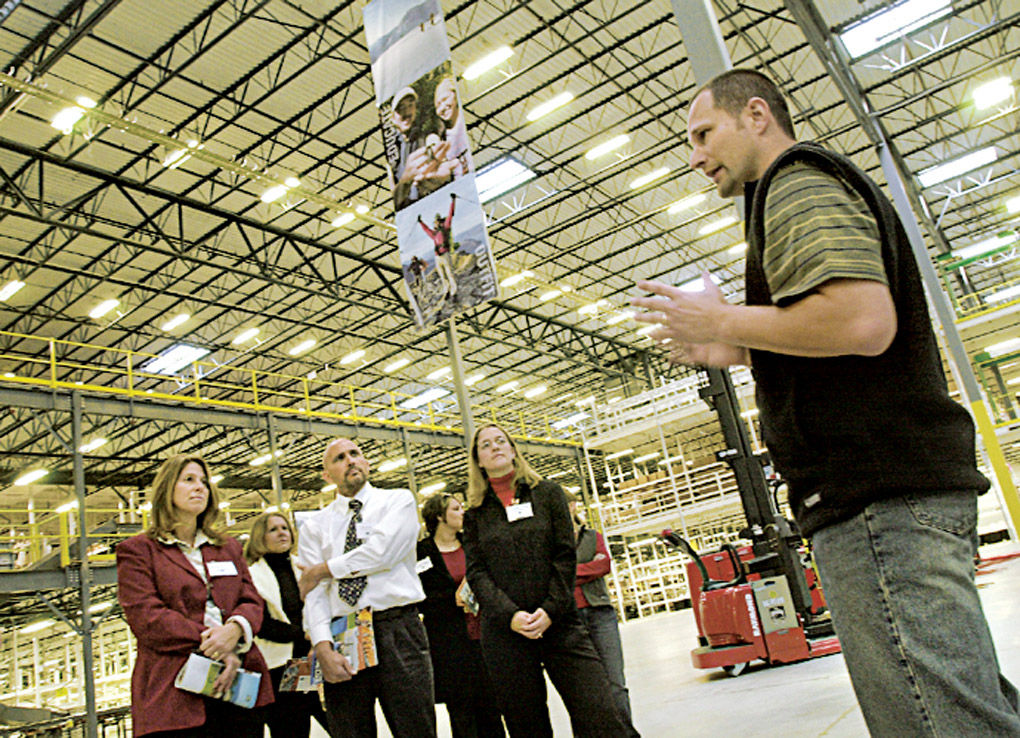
column 444, row 247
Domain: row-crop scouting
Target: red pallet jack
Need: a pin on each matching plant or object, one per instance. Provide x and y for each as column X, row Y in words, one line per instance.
column 761, row 601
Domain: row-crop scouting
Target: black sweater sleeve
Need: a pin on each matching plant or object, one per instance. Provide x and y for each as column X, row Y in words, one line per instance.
column 277, row 630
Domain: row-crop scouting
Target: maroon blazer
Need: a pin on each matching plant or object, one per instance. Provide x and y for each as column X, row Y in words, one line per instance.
column 164, row 603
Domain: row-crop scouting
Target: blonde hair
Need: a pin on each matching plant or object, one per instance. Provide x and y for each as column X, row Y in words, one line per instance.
column 255, row 548
column 164, row 516
column 478, row 480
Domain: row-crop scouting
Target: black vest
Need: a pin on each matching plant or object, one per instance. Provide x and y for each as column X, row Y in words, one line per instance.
column 846, row 431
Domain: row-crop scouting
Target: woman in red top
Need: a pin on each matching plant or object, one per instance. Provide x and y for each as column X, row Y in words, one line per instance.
column 457, row 668
column 185, row 587
column 442, row 237
column 519, row 543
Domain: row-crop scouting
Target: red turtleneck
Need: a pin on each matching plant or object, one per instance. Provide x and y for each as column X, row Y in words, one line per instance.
column 504, row 488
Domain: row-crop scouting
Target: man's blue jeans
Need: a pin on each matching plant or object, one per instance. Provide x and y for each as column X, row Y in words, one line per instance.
column 899, row 580
column 605, row 634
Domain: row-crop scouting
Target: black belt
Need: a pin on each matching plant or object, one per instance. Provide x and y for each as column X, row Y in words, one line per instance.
column 392, row 613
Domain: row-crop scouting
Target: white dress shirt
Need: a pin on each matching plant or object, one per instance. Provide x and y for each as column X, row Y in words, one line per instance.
column 389, row 533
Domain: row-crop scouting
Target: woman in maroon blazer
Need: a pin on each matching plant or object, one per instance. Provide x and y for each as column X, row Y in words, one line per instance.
column 185, row 587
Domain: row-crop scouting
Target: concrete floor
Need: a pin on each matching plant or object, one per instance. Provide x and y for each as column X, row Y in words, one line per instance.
column 671, row 698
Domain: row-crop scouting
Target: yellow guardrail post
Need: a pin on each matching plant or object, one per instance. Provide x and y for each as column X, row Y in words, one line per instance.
column 255, row 387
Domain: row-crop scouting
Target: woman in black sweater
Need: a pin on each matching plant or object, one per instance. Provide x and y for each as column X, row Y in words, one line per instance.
column 270, row 554
column 519, row 541
column 457, row 667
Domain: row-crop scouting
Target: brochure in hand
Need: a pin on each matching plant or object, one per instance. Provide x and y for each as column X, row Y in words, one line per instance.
column 301, row 675
column 354, row 637
column 468, row 597
column 198, row 674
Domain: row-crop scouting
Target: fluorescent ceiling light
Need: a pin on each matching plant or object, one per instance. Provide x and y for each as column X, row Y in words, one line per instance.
column 216, row 479
column 392, row 464
column 550, row 105
column 1002, row 295
column 607, row 146
column 993, row 92
column 103, row 308
column 508, row 386
column 245, row 336
column 717, row 225
column 178, row 156
column 224, row 505
column 888, row 24
column 646, row 330
column 986, row 246
column 564, row 398
column 292, row 182
column 362, row 209
column 516, row 278
column 274, row 193
column 328, row 488
column 957, row 167
column 301, row 347
column 571, row 420
column 10, row 289
column 500, row 177
column 260, row 460
column 686, row 203
column 645, row 179
column 1012, row 207
column 647, row 457
column 100, row 607
column 550, row 295
column 353, row 356
column 66, row 507
column 1003, row 348
column 620, row 317
column 439, row 373
column 697, row 284
column 593, row 307
column 395, row 365
column 619, row 454
column 92, row 445
column 343, row 219
column 642, row 542
column 589, row 400
column 29, row 477
column 64, row 120
column 536, row 392
column 37, row 626
column 431, row 489
column 424, row 398
column 489, row 61
column 474, row 379
column 175, row 321
column 737, row 249
column 174, row 359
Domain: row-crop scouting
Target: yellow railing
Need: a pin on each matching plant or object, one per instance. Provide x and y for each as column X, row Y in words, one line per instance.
column 51, row 363
column 57, row 530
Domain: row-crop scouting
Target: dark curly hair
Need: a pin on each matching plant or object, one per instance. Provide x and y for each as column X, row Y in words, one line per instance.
column 433, row 511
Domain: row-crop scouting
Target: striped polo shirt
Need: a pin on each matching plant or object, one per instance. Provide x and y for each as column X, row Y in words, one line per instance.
column 817, row 229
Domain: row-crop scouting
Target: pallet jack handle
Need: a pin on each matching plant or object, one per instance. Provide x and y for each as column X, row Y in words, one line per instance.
column 707, row 583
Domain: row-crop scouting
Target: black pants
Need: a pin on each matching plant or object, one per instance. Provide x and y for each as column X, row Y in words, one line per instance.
column 222, row 719
column 472, row 707
column 402, row 682
column 515, row 665
column 290, row 716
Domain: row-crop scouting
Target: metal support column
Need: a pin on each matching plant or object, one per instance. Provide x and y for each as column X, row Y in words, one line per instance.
column 85, row 576
column 274, row 464
column 412, row 483
column 463, row 399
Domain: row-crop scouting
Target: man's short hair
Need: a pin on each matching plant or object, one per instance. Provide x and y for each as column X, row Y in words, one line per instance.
column 732, row 90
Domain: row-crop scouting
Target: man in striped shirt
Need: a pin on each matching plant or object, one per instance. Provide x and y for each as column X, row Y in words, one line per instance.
column 854, row 408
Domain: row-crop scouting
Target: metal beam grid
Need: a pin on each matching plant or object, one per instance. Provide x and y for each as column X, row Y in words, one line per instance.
column 276, row 88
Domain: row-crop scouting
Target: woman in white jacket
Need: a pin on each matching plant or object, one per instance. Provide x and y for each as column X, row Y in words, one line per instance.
column 270, row 554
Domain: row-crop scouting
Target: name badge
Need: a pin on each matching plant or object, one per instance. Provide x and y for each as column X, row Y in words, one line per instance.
column 364, row 530
column 423, row 566
column 221, row 568
column 519, row 511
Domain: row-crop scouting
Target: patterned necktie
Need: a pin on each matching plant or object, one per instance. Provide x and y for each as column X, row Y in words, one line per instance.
column 350, row 589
